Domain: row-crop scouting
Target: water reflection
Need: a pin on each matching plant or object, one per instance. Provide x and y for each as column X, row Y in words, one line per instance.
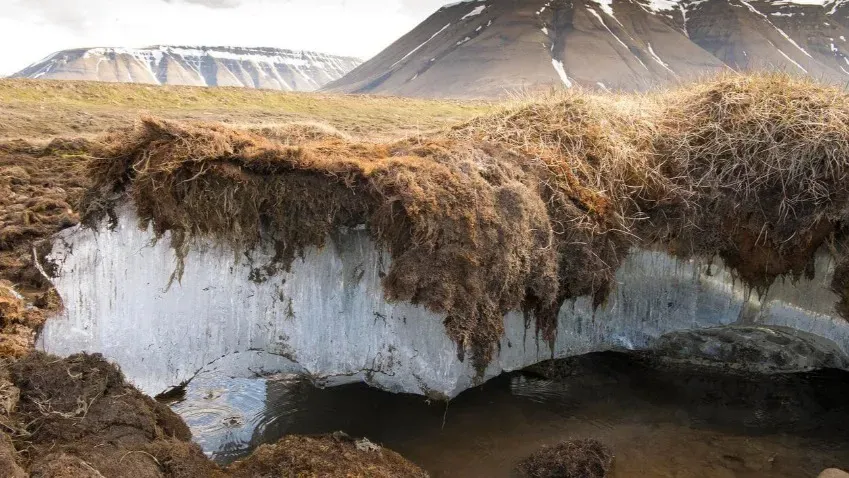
column 659, row 422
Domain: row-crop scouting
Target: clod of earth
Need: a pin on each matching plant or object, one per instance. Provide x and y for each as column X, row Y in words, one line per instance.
column 522, row 209
column 571, row 459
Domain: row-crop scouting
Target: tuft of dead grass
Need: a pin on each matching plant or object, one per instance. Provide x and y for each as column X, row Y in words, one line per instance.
column 299, row 132
column 571, row 459
column 751, row 168
column 520, row 209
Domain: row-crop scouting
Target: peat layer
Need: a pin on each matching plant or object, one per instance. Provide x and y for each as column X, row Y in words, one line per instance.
column 521, row 209
column 40, row 187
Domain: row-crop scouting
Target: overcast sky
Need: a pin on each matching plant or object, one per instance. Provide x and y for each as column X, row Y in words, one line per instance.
column 32, row 29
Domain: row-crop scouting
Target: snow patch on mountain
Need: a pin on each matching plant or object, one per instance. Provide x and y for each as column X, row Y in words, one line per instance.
column 658, row 60
column 420, row 46
column 561, row 72
column 606, row 6
column 477, row 11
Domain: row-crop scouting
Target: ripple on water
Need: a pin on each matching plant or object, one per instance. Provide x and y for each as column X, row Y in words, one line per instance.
column 226, row 412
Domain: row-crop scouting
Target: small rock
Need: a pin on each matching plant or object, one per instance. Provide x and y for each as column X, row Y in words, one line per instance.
column 834, row 473
column 366, row 445
column 747, row 348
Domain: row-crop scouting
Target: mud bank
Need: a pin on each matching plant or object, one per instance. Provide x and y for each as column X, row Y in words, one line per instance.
column 327, row 316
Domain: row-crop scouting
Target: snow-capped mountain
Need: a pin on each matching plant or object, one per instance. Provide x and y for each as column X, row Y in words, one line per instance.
column 489, row 47
column 268, row 68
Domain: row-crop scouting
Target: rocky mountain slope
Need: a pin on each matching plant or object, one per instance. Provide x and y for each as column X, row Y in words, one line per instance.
column 491, row 47
column 268, row 68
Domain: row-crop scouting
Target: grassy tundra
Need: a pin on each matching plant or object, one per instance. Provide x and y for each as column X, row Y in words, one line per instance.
column 33, row 109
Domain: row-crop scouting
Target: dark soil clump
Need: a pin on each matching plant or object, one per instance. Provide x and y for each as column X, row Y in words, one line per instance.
column 572, row 459
column 82, row 417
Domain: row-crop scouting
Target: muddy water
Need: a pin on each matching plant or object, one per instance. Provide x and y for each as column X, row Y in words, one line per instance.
column 658, row 422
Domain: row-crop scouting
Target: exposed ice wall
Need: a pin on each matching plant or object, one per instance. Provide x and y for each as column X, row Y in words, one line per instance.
column 327, row 316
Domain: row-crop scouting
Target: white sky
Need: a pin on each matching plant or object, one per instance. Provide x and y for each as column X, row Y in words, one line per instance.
column 32, row 29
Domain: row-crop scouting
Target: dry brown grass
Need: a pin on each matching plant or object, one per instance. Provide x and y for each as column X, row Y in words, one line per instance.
column 751, row 168
column 296, row 133
column 521, row 209
column 43, row 109
column 571, row 459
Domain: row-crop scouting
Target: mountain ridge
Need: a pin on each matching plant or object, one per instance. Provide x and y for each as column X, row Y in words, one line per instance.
column 485, row 48
column 251, row 67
